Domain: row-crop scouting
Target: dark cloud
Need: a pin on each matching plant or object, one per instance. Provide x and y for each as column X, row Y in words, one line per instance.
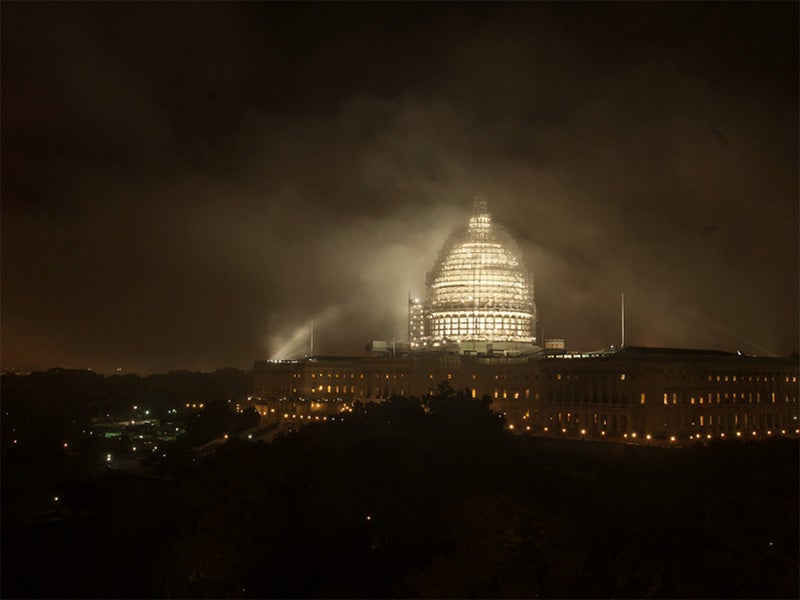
column 189, row 185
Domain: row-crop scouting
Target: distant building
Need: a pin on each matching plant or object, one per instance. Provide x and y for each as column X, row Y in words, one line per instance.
column 474, row 332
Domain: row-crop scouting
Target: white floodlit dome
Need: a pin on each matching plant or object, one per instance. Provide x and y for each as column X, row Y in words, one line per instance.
column 479, row 289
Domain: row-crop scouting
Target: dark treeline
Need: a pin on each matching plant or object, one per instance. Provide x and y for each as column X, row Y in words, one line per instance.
column 45, row 406
column 429, row 498
column 82, row 394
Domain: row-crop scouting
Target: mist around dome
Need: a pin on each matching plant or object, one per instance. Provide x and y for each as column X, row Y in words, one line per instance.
column 479, row 291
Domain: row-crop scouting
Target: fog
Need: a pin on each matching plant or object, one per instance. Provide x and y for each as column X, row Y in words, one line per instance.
column 191, row 185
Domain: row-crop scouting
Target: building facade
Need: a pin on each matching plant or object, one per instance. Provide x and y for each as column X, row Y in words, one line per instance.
column 645, row 393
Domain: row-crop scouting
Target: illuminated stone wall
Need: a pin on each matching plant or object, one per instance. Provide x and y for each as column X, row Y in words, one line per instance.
column 643, row 394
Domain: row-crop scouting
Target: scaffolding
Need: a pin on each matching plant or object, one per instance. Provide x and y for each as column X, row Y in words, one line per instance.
column 479, row 288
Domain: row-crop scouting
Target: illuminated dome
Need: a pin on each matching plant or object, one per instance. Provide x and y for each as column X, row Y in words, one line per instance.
column 479, row 290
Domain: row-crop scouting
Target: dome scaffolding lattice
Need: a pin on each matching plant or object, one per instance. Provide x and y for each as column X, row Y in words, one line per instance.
column 479, row 288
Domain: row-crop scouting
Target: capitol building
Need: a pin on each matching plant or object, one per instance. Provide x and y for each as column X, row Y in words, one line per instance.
column 475, row 331
column 479, row 293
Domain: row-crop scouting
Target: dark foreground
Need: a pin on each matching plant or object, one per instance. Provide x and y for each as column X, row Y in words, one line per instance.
column 406, row 500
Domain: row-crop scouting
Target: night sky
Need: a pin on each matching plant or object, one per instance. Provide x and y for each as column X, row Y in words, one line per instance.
column 187, row 185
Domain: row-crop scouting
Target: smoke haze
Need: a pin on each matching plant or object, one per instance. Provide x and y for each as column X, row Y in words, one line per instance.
column 190, row 185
